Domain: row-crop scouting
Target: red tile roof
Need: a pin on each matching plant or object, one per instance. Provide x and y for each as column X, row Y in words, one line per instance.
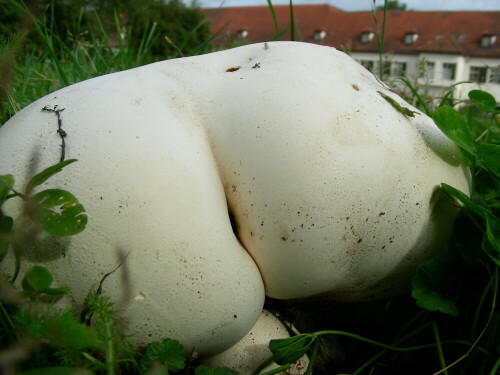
column 438, row 32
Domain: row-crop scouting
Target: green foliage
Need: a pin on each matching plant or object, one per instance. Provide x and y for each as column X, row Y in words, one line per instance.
column 432, row 282
column 455, row 127
column 29, row 317
column 60, row 329
column 71, row 21
column 393, row 5
column 6, row 185
column 47, row 173
column 457, row 293
column 483, row 100
column 38, row 280
column 59, row 213
column 291, row 349
column 403, row 110
column 168, row 352
column 179, row 29
column 484, row 158
column 380, row 34
column 70, row 41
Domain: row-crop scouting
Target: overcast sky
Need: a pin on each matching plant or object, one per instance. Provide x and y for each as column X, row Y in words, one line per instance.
column 354, row 5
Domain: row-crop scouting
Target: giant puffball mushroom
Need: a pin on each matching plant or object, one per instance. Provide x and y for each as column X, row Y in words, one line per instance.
column 333, row 190
column 247, row 355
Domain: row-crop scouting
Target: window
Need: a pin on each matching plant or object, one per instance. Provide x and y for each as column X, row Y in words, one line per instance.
column 449, row 71
column 478, row 74
column 495, row 75
column 430, row 68
column 367, row 37
column 319, row 35
column 386, row 68
column 398, row 69
column 241, row 34
column 410, row 38
column 368, row 64
column 487, row 41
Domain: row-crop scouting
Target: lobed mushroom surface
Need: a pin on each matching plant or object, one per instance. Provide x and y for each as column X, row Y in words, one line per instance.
column 275, row 168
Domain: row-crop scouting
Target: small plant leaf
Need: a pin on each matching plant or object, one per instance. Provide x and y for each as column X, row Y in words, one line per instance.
column 488, row 157
column 403, row 110
column 455, row 127
column 430, row 283
column 448, row 97
column 468, row 203
column 6, row 184
column 417, row 96
column 61, row 330
column 291, row 349
column 37, row 278
column 60, row 370
column 64, row 331
column 207, row 370
column 483, row 100
column 491, row 239
column 44, row 175
column 59, row 213
column 168, row 351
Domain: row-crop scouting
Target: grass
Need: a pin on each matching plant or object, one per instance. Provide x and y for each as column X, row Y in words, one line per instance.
column 39, row 71
column 396, row 336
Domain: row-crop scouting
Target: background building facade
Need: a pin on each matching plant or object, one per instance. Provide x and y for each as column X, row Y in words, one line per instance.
column 433, row 50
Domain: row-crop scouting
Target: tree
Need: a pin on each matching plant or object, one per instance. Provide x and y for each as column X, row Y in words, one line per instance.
column 178, row 27
column 61, row 17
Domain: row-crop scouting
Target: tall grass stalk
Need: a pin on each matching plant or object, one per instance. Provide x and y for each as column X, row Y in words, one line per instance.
column 292, row 22
column 380, row 35
column 40, row 71
column 273, row 16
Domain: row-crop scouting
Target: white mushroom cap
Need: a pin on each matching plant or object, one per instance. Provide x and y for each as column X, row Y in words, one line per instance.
column 332, row 189
column 247, row 355
column 148, row 180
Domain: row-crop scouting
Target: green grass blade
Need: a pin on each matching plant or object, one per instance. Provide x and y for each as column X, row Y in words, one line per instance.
column 292, row 22
column 439, row 347
column 449, row 93
column 421, row 102
column 273, row 15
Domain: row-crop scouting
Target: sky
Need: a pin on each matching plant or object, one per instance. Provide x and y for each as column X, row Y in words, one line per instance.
column 354, row 5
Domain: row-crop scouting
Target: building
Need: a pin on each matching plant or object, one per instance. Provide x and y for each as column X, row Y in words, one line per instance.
column 433, row 50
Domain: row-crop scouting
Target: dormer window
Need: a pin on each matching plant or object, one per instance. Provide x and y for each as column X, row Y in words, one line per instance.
column 367, row 37
column 241, row 34
column 488, row 40
column 410, row 38
column 319, row 35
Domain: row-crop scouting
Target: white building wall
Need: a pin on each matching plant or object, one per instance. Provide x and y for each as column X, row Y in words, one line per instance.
column 492, row 87
column 436, row 83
